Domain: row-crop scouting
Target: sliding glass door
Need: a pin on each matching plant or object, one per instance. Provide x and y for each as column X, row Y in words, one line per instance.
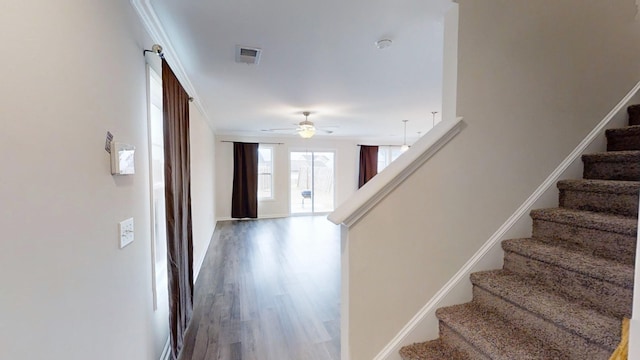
column 312, row 182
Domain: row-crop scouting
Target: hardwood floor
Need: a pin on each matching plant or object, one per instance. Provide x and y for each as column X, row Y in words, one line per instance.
column 268, row 290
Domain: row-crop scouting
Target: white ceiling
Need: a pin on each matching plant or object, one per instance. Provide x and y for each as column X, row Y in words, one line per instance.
column 318, row 56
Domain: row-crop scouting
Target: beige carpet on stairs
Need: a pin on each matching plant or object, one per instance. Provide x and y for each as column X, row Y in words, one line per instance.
column 563, row 293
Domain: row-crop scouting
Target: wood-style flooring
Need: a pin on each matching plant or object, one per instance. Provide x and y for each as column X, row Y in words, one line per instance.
column 268, row 290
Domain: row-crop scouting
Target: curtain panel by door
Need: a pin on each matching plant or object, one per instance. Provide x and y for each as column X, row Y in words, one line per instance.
column 244, row 201
column 368, row 164
column 178, row 206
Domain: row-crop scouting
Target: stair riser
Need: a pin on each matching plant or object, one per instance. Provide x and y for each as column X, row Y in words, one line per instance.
column 455, row 341
column 601, row 170
column 605, row 244
column 608, row 298
column 433, row 350
column 634, row 114
column 622, row 143
column 619, row 204
column 573, row 345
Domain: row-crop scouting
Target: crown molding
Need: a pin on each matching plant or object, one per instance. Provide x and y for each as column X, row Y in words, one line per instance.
column 154, row 28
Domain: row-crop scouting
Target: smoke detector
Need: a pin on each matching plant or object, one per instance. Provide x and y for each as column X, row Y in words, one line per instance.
column 248, row 55
column 383, row 43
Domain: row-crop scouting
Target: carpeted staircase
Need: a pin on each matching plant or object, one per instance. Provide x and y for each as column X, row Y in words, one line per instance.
column 561, row 294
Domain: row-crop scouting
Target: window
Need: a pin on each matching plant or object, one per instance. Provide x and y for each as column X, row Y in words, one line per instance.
column 158, row 218
column 265, row 172
column 386, row 155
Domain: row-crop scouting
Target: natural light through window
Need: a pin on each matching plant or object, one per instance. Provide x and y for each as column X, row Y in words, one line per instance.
column 386, row 155
column 158, row 218
column 265, row 172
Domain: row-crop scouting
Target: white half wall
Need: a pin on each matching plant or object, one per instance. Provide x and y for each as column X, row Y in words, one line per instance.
column 73, row 70
column 533, row 79
column 346, row 171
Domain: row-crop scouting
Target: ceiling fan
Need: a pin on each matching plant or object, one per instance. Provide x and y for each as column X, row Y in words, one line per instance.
column 306, row 129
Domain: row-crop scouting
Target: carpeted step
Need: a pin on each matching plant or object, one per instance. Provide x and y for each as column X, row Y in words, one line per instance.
column 431, row 350
column 615, row 197
column 627, row 138
column 613, row 165
column 584, row 332
column 484, row 334
column 634, row 114
column 596, row 282
column 605, row 235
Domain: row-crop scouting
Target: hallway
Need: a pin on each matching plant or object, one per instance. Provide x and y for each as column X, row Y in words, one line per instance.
column 268, row 290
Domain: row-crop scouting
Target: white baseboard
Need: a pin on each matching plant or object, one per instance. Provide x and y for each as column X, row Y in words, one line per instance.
column 197, row 265
column 166, row 352
column 271, row 216
column 490, row 254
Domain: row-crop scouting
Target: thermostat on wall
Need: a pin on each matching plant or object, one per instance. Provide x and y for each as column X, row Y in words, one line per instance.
column 122, row 159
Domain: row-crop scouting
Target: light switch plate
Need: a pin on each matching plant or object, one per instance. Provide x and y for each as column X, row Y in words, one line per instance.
column 125, row 229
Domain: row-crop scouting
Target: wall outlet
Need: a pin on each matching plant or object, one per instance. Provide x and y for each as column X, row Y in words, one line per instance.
column 125, row 228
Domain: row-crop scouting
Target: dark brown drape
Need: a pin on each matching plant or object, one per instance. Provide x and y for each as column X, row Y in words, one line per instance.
column 368, row 164
column 177, row 178
column 244, row 201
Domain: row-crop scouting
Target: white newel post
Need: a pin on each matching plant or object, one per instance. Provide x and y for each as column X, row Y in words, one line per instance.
column 344, row 295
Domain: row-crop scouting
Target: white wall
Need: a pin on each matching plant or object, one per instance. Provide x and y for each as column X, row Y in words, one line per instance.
column 534, row 77
column 346, row 171
column 71, row 71
column 202, row 184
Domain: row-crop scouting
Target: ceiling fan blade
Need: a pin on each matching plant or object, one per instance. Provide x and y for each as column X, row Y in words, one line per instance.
column 279, row 129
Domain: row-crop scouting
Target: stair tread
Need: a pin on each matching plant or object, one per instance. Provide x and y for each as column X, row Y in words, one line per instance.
column 632, row 130
column 588, row 219
column 431, row 350
column 576, row 261
column 491, row 334
column 613, row 156
column 553, row 307
column 601, row 186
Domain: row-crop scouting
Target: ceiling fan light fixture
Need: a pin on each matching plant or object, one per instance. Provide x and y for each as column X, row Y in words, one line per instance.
column 306, row 131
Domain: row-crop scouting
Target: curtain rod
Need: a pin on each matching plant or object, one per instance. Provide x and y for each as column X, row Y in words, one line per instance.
column 266, row 143
column 157, row 49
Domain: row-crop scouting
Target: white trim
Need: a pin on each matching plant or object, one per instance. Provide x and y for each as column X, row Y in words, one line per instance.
column 395, row 174
column 166, row 352
column 197, row 265
column 154, row 27
column 344, row 289
column 462, row 276
column 260, row 217
column 154, row 286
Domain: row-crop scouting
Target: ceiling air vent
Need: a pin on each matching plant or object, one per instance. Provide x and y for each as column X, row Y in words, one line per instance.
column 247, row 55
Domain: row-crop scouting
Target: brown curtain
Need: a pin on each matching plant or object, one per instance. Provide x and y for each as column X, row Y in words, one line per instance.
column 244, row 201
column 175, row 102
column 368, row 164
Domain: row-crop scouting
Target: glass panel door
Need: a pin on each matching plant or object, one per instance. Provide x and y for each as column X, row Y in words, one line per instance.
column 312, row 182
column 323, row 182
